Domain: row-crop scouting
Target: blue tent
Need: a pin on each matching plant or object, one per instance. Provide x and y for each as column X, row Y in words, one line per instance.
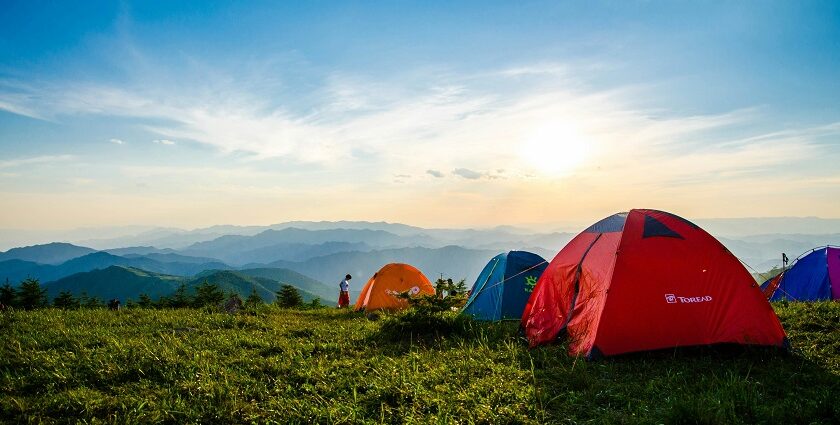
column 504, row 286
column 814, row 276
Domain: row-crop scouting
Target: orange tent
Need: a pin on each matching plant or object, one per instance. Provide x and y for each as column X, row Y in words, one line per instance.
column 394, row 277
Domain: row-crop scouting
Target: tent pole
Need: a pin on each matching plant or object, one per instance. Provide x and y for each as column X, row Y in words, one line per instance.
column 784, row 268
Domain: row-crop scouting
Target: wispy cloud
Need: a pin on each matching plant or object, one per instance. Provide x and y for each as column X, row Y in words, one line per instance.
column 142, row 172
column 401, row 178
column 116, row 141
column 21, row 99
column 461, row 122
column 553, row 69
column 467, row 173
column 9, row 104
column 46, row 159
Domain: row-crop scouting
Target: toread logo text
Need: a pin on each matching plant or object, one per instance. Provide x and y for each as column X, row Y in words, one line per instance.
column 673, row 299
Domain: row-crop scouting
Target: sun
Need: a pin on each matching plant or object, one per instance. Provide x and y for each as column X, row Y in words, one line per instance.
column 555, row 149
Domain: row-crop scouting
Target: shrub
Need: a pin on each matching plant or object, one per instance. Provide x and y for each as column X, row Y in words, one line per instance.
column 207, row 295
column 289, row 297
column 254, row 300
column 30, row 295
column 315, row 303
column 90, row 302
column 66, row 300
column 415, row 323
column 431, row 315
column 448, row 296
column 180, row 298
column 145, row 301
column 8, row 295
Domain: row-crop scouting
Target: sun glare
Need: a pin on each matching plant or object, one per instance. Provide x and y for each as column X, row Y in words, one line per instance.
column 555, row 149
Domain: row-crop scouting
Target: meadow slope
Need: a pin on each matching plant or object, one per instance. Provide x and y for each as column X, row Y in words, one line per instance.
column 285, row 366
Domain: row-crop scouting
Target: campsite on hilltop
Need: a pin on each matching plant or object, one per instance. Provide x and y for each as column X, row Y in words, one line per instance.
column 408, row 350
column 413, row 212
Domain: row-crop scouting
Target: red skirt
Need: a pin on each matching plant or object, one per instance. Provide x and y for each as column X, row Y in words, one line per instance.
column 343, row 299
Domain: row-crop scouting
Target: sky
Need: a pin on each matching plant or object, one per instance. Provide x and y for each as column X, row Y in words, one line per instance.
column 439, row 114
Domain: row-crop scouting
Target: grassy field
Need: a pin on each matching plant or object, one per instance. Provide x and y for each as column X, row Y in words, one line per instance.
column 176, row 366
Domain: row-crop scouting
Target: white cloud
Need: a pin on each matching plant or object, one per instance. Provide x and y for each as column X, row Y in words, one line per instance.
column 116, row 141
column 461, row 122
column 19, row 108
column 21, row 99
column 467, row 173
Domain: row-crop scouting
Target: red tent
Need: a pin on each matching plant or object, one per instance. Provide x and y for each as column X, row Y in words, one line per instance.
column 647, row 280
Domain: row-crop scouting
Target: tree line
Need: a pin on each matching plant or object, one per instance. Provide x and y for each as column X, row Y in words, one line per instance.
column 29, row 295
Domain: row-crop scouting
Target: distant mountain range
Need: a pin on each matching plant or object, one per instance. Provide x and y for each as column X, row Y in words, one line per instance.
column 763, row 252
column 262, row 248
column 452, row 261
column 128, row 283
column 116, row 282
column 740, row 227
column 314, row 252
column 17, row 270
column 51, row 253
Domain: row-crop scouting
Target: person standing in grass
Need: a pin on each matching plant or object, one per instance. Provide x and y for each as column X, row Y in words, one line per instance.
column 344, row 292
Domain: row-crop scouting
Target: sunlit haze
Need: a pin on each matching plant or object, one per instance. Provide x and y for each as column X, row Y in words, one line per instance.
column 472, row 114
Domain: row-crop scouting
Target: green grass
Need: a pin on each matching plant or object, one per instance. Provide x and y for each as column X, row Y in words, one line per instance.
column 176, row 366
